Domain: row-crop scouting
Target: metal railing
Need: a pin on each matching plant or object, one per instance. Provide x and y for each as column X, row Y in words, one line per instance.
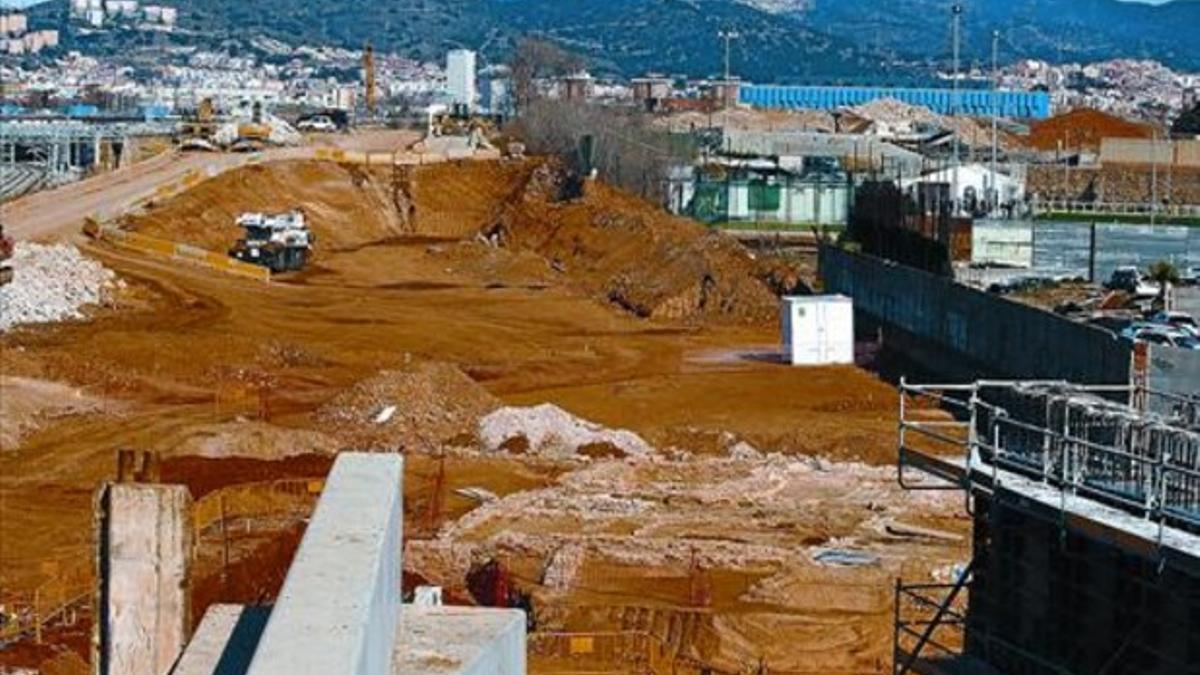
column 1101, row 209
column 1083, row 440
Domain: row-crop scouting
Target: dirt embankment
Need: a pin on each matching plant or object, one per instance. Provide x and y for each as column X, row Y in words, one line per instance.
column 536, row 218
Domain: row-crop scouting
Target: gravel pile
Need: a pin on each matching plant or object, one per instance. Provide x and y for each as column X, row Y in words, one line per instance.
column 549, row 431
column 422, row 406
column 51, row 283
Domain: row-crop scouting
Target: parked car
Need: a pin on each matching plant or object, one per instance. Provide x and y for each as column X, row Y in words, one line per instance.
column 1129, row 279
column 1190, row 276
column 1160, row 335
column 322, row 123
column 1181, row 321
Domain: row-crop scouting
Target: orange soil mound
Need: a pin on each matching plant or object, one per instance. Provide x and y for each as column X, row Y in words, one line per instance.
column 1083, row 129
column 611, row 245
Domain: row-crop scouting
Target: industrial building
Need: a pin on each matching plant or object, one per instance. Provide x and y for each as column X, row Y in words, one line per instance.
column 1016, row 104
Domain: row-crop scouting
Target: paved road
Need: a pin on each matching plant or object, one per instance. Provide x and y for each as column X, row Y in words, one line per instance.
column 61, row 211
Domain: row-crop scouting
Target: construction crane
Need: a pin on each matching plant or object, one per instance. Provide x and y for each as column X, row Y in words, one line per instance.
column 369, row 77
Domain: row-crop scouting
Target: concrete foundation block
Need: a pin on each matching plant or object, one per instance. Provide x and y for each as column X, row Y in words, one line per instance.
column 145, row 549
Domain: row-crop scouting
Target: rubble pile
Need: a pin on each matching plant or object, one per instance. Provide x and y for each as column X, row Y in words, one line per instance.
column 806, row 541
column 51, row 283
column 549, row 431
column 897, row 113
column 421, row 406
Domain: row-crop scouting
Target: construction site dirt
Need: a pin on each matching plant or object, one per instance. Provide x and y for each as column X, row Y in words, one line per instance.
column 762, row 526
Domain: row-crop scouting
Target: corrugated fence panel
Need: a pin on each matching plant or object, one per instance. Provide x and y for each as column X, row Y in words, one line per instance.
column 1004, row 338
column 1176, row 371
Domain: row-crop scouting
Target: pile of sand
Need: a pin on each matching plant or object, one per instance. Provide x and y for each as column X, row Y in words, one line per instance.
column 632, row 254
column 422, row 407
column 26, row 404
column 600, row 241
column 254, row 440
column 346, row 206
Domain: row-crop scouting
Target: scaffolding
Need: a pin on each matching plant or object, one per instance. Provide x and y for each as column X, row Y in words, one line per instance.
column 1091, row 450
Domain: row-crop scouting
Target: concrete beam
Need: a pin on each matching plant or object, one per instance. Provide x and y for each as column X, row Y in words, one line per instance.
column 339, row 608
column 225, row 641
column 145, row 552
column 460, row 641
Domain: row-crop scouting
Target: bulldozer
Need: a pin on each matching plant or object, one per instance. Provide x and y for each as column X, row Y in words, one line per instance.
column 280, row 242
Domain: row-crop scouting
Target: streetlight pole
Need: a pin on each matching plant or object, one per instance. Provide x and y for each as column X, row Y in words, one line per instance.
column 954, row 107
column 995, row 112
column 728, row 36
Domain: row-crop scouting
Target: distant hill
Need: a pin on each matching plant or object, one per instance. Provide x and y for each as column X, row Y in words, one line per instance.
column 1057, row 30
column 783, row 40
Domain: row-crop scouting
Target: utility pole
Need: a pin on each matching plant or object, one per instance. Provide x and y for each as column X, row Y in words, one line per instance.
column 995, row 113
column 728, row 36
column 954, row 106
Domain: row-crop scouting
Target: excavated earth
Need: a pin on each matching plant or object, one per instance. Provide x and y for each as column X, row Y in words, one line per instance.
column 437, row 296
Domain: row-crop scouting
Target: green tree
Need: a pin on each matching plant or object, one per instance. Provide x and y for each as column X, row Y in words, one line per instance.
column 1163, row 273
column 1188, row 123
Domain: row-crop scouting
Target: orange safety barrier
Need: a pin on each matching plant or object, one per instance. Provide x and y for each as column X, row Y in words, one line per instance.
column 175, row 251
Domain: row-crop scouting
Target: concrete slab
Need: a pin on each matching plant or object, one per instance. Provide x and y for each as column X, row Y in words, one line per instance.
column 225, row 642
column 1130, row 532
column 146, row 550
column 460, row 641
column 340, row 603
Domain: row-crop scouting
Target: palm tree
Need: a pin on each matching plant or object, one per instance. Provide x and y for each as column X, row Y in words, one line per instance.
column 1163, row 273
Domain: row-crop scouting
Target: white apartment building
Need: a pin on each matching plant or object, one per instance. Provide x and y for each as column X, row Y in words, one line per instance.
column 460, row 77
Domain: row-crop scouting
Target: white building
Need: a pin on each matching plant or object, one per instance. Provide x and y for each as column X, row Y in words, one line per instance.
column 13, row 24
column 460, row 77
column 976, row 183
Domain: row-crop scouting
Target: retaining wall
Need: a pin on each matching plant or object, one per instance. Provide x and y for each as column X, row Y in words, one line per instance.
column 959, row 332
column 1048, row 597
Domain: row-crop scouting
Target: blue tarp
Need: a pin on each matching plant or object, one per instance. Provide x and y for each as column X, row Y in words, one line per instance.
column 1017, row 104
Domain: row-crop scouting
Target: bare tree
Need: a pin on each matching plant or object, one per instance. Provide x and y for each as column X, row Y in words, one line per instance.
column 622, row 147
column 533, row 59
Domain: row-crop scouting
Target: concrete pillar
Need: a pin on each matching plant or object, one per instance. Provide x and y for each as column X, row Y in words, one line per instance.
column 339, row 609
column 145, row 552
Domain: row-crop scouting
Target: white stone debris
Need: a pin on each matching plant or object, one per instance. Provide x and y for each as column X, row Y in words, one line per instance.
column 51, row 283
column 552, row 431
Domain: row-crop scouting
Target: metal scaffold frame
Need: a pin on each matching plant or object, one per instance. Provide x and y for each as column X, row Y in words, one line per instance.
column 1085, row 440
column 1098, row 444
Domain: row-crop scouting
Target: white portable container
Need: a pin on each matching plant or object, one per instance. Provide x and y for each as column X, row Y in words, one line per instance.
column 817, row 329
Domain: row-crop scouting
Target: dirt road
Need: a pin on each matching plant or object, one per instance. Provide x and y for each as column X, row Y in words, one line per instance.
column 61, row 211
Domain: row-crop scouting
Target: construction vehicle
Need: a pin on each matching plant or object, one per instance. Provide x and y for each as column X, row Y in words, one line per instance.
column 196, row 131
column 7, row 245
column 459, row 120
column 280, row 242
